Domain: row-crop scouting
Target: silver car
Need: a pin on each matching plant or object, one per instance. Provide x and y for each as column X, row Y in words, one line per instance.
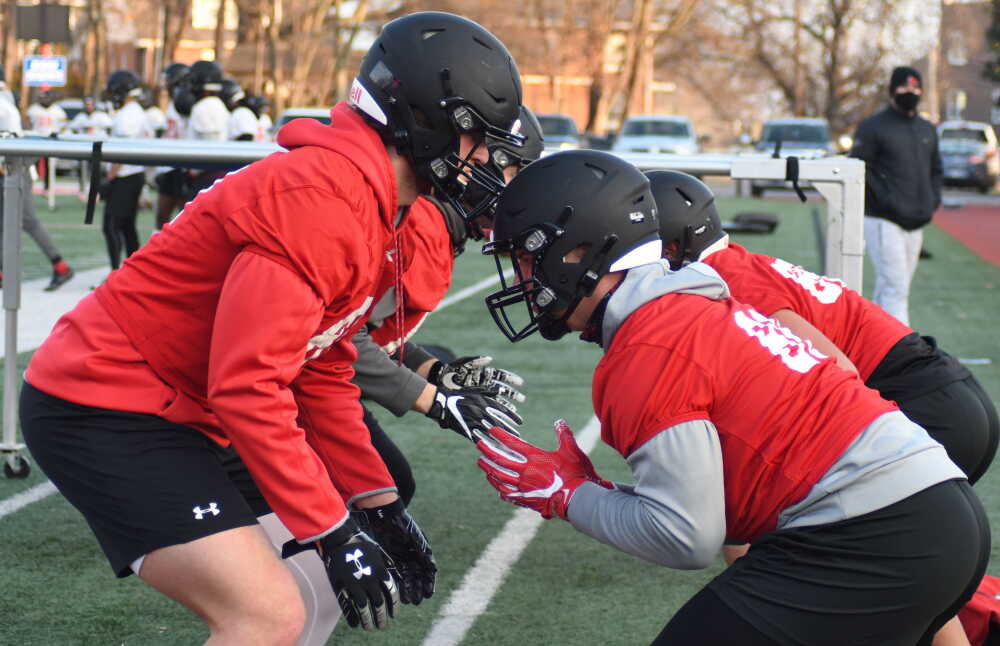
column 657, row 134
column 968, row 154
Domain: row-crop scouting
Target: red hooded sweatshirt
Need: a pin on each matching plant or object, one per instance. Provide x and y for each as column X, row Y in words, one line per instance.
column 425, row 244
column 237, row 319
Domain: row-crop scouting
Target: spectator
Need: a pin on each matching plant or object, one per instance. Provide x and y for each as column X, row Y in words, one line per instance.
column 171, row 183
column 902, row 191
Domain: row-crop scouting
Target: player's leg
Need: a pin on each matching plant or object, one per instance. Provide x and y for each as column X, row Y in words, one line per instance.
column 235, row 583
column 158, row 501
column 322, row 612
column 126, row 215
column 395, row 461
column 706, row 621
column 112, row 238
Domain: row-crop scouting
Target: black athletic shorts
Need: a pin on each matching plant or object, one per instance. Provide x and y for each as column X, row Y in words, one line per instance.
column 173, row 182
column 892, row 577
column 141, row 482
column 937, row 392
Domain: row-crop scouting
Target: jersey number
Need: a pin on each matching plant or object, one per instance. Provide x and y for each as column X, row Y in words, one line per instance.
column 795, row 353
column 825, row 290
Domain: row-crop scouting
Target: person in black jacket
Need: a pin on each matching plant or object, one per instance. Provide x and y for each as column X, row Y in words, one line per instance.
column 903, row 188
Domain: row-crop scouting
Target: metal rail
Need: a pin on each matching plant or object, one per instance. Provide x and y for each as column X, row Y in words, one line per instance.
column 838, row 179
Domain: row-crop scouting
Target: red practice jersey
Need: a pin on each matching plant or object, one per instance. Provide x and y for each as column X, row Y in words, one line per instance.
column 981, row 616
column 861, row 329
column 784, row 412
column 237, row 319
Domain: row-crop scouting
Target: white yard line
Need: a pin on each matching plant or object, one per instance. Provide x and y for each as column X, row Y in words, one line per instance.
column 25, row 498
column 481, row 583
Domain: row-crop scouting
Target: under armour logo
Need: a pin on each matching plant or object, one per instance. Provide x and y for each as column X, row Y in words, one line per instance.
column 362, row 569
column 199, row 513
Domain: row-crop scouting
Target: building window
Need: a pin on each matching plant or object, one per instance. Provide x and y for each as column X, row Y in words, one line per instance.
column 956, row 51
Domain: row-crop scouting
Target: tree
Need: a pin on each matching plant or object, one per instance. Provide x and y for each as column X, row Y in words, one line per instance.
column 846, row 48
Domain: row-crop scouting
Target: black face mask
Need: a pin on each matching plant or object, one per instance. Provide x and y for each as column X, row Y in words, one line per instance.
column 906, row 101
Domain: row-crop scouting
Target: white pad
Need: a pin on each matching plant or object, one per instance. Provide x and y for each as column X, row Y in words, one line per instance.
column 322, row 609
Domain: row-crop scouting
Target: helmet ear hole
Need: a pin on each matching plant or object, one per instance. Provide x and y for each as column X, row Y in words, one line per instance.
column 576, row 256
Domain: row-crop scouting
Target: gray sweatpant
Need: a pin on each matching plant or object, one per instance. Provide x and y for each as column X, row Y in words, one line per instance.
column 32, row 226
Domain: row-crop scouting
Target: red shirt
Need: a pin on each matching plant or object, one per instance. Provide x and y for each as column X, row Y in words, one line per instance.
column 861, row 329
column 237, row 319
column 425, row 243
column 783, row 411
column 981, row 615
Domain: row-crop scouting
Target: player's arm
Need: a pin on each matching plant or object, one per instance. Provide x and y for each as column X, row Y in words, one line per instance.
column 250, row 369
column 674, row 515
column 383, row 380
column 808, row 332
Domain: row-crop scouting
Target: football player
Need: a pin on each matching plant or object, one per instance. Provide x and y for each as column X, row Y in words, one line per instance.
column 233, row 326
column 930, row 386
column 171, row 183
column 123, row 182
column 734, row 428
column 402, row 376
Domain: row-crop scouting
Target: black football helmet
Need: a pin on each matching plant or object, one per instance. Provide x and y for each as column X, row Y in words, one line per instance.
column 174, row 74
column 258, row 103
column 504, row 155
column 122, row 84
column 231, row 93
column 687, row 215
column 205, row 78
column 578, row 199
column 429, row 78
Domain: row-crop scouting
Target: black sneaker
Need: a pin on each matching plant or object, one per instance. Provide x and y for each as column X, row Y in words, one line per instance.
column 58, row 280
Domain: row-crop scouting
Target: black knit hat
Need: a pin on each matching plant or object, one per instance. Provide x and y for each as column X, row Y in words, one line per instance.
column 901, row 76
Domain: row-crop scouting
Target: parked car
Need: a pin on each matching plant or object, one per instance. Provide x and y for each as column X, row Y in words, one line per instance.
column 968, row 154
column 319, row 114
column 560, row 131
column 805, row 138
column 657, row 134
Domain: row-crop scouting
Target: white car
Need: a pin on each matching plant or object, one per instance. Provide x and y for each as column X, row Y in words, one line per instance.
column 969, row 154
column 657, row 134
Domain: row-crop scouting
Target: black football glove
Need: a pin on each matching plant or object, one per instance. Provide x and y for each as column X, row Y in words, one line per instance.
column 471, row 412
column 359, row 573
column 401, row 538
column 475, row 372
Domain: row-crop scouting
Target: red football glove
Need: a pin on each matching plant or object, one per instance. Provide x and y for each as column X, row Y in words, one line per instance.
column 526, row 475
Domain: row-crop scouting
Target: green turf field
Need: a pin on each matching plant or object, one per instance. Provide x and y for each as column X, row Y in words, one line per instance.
column 565, row 588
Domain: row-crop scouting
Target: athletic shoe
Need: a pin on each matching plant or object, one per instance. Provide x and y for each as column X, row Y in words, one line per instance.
column 58, row 280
